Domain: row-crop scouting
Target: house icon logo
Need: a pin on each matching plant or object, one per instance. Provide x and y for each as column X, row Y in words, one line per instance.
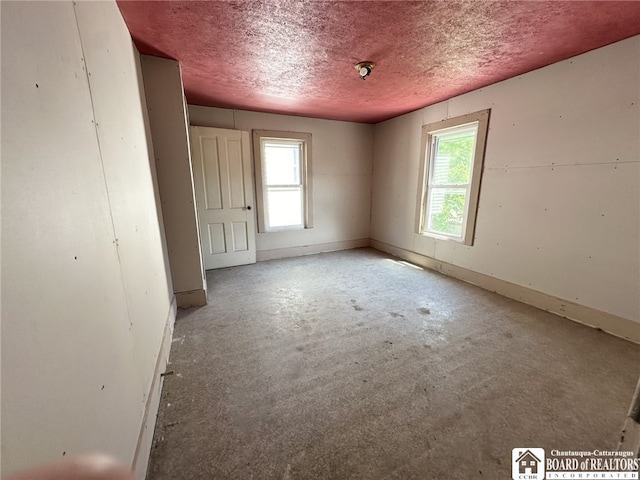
column 527, row 464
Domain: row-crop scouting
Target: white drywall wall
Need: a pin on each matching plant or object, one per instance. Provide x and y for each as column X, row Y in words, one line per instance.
column 342, row 153
column 85, row 294
column 169, row 129
column 559, row 202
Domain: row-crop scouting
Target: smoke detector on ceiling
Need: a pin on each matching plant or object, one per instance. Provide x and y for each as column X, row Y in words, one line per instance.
column 364, row 69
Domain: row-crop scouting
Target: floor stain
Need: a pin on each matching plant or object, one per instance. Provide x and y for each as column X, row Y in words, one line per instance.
column 287, row 473
column 424, row 311
column 248, row 370
column 396, row 315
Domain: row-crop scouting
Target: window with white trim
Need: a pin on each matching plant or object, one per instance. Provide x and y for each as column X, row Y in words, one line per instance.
column 451, row 169
column 283, row 180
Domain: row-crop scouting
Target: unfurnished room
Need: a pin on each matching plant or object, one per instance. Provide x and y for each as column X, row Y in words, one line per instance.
column 295, row 240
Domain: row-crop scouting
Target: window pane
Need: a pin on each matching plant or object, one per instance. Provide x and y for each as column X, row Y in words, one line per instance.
column 453, row 157
column 446, row 210
column 284, row 207
column 281, row 163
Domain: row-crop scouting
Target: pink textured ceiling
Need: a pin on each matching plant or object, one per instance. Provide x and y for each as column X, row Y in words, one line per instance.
column 298, row 57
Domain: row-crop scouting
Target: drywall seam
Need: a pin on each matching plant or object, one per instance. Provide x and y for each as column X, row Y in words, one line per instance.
column 610, row 323
column 145, row 436
column 273, row 254
column 373, row 140
column 559, row 165
column 104, row 174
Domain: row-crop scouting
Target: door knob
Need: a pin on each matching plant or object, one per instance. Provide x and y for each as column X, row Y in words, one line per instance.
column 248, row 207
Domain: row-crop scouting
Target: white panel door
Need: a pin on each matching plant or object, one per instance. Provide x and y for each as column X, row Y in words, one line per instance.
column 224, row 196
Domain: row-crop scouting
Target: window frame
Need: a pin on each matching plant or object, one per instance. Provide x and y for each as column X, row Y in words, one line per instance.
column 305, row 178
column 429, row 132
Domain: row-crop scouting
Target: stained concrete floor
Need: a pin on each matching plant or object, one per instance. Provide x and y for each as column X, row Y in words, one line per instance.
column 351, row 365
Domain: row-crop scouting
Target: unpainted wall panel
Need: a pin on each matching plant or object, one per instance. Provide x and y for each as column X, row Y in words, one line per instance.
column 543, row 253
column 110, row 62
column 79, row 341
column 395, row 177
column 559, row 206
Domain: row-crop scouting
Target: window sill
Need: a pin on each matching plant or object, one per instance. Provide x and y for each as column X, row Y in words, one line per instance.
column 287, row 229
column 438, row 236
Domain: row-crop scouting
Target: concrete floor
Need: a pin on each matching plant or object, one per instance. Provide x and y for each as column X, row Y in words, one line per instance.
column 351, row 365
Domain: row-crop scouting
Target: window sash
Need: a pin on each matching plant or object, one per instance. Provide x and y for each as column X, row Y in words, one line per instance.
column 269, row 220
column 434, row 139
column 270, row 224
column 284, row 144
column 428, row 211
column 432, row 183
column 275, row 220
column 451, row 129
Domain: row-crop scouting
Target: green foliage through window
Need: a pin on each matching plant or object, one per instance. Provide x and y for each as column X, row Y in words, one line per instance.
column 452, row 164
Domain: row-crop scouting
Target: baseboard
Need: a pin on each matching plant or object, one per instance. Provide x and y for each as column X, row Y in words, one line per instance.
column 310, row 249
column 192, row 298
column 630, row 438
column 145, row 437
column 613, row 324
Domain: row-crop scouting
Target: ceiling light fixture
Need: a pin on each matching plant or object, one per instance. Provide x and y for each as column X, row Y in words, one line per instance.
column 364, row 69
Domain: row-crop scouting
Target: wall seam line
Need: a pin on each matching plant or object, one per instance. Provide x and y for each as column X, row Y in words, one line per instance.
column 506, row 167
column 104, row 176
column 371, row 173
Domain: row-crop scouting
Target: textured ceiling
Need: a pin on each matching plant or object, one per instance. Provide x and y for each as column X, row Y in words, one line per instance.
column 298, row 57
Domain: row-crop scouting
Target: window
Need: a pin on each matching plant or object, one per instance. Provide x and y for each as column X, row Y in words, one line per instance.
column 451, row 167
column 283, row 180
